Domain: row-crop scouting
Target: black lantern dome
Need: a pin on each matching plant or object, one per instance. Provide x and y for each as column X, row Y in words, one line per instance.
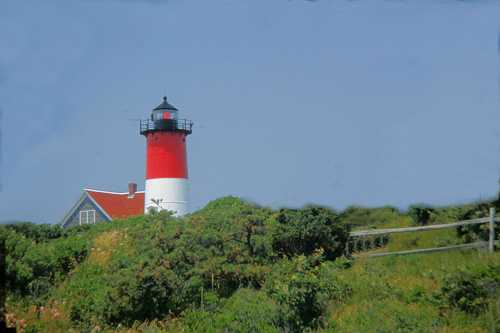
column 165, row 111
column 165, row 105
column 165, row 117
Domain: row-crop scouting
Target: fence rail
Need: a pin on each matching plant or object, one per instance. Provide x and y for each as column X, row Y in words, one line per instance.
column 490, row 243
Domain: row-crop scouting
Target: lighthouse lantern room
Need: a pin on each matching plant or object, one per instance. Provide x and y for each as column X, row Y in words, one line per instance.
column 167, row 184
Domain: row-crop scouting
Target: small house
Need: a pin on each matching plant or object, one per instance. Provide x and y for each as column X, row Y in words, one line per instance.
column 95, row 206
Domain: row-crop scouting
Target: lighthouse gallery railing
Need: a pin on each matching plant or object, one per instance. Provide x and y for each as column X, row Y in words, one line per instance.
column 170, row 124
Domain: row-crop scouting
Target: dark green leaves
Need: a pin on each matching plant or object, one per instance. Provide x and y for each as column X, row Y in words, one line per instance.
column 303, row 232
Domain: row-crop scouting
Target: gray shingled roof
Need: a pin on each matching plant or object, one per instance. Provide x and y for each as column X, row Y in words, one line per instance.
column 165, row 105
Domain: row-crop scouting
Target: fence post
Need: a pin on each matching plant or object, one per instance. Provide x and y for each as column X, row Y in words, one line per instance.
column 492, row 230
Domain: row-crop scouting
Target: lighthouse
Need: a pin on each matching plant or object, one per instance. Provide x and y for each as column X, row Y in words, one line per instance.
column 167, row 184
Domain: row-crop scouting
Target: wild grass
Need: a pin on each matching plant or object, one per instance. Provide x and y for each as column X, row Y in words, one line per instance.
column 399, row 294
column 406, row 293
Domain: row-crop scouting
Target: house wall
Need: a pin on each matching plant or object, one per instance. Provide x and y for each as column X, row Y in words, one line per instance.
column 87, row 204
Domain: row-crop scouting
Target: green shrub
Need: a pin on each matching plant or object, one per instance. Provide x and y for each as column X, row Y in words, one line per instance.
column 303, row 232
column 421, row 215
column 69, row 252
column 471, row 289
column 458, row 213
column 265, row 271
column 365, row 218
column 246, row 310
column 304, row 287
column 38, row 232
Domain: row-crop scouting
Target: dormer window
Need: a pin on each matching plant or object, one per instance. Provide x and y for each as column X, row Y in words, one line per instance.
column 87, row 216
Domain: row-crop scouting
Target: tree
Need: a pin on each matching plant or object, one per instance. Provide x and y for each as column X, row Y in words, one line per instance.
column 421, row 215
column 302, row 232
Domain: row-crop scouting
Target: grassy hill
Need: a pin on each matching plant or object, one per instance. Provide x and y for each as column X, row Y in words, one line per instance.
column 237, row 267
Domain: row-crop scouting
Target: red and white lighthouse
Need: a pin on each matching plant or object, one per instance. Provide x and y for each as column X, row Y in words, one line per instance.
column 167, row 184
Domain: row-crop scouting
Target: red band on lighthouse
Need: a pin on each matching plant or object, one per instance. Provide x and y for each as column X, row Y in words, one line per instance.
column 166, row 155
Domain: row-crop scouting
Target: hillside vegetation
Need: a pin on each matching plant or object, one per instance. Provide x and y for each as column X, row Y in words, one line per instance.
column 238, row 267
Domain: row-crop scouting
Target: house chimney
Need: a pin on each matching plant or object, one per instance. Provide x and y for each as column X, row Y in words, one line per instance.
column 132, row 188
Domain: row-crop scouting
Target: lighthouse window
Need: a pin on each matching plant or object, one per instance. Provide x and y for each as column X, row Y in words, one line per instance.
column 87, row 216
column 157, row 139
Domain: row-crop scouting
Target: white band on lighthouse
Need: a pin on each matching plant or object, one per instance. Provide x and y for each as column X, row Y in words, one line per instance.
column 168, row 194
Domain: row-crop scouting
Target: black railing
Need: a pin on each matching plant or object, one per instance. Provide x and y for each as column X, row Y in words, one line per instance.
column 166, row 124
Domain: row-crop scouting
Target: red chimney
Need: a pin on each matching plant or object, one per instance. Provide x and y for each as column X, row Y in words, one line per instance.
column 132, row 188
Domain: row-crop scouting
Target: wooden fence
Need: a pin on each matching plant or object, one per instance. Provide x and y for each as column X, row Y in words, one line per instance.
column 490, row 243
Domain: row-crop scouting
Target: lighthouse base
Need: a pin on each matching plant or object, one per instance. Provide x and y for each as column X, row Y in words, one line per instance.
column 167, row 194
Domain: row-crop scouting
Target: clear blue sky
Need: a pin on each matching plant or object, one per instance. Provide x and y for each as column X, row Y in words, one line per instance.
column 335, row 103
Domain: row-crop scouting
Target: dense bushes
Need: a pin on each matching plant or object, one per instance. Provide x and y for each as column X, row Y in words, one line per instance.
column 367, row 218
column 39, row 256
column 471, row 289
column 155, row 267
column 304, row 286
column 37, row 232
column 247, row 310
column 421, row 215
column 231, row 266
column 303, row 232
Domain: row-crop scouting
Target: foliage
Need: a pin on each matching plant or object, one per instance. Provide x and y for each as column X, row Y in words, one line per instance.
column 303, row 287
column 400, row 294
column 366, row 218
column 38, row 257
column 458, row 213
column 172, row 261
column 469, row 233
column 38, row 233
column 303, row 232
column 246, row 310
column 228, row 241
column 236, row 266
column 52, row 316
column 471, row 289
column 421, row 215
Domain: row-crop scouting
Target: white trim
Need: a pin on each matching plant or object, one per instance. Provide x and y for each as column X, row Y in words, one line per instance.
column 109, row 192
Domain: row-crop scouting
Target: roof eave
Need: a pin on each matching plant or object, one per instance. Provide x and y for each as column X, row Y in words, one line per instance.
column 77, row 203
column 71, row 210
